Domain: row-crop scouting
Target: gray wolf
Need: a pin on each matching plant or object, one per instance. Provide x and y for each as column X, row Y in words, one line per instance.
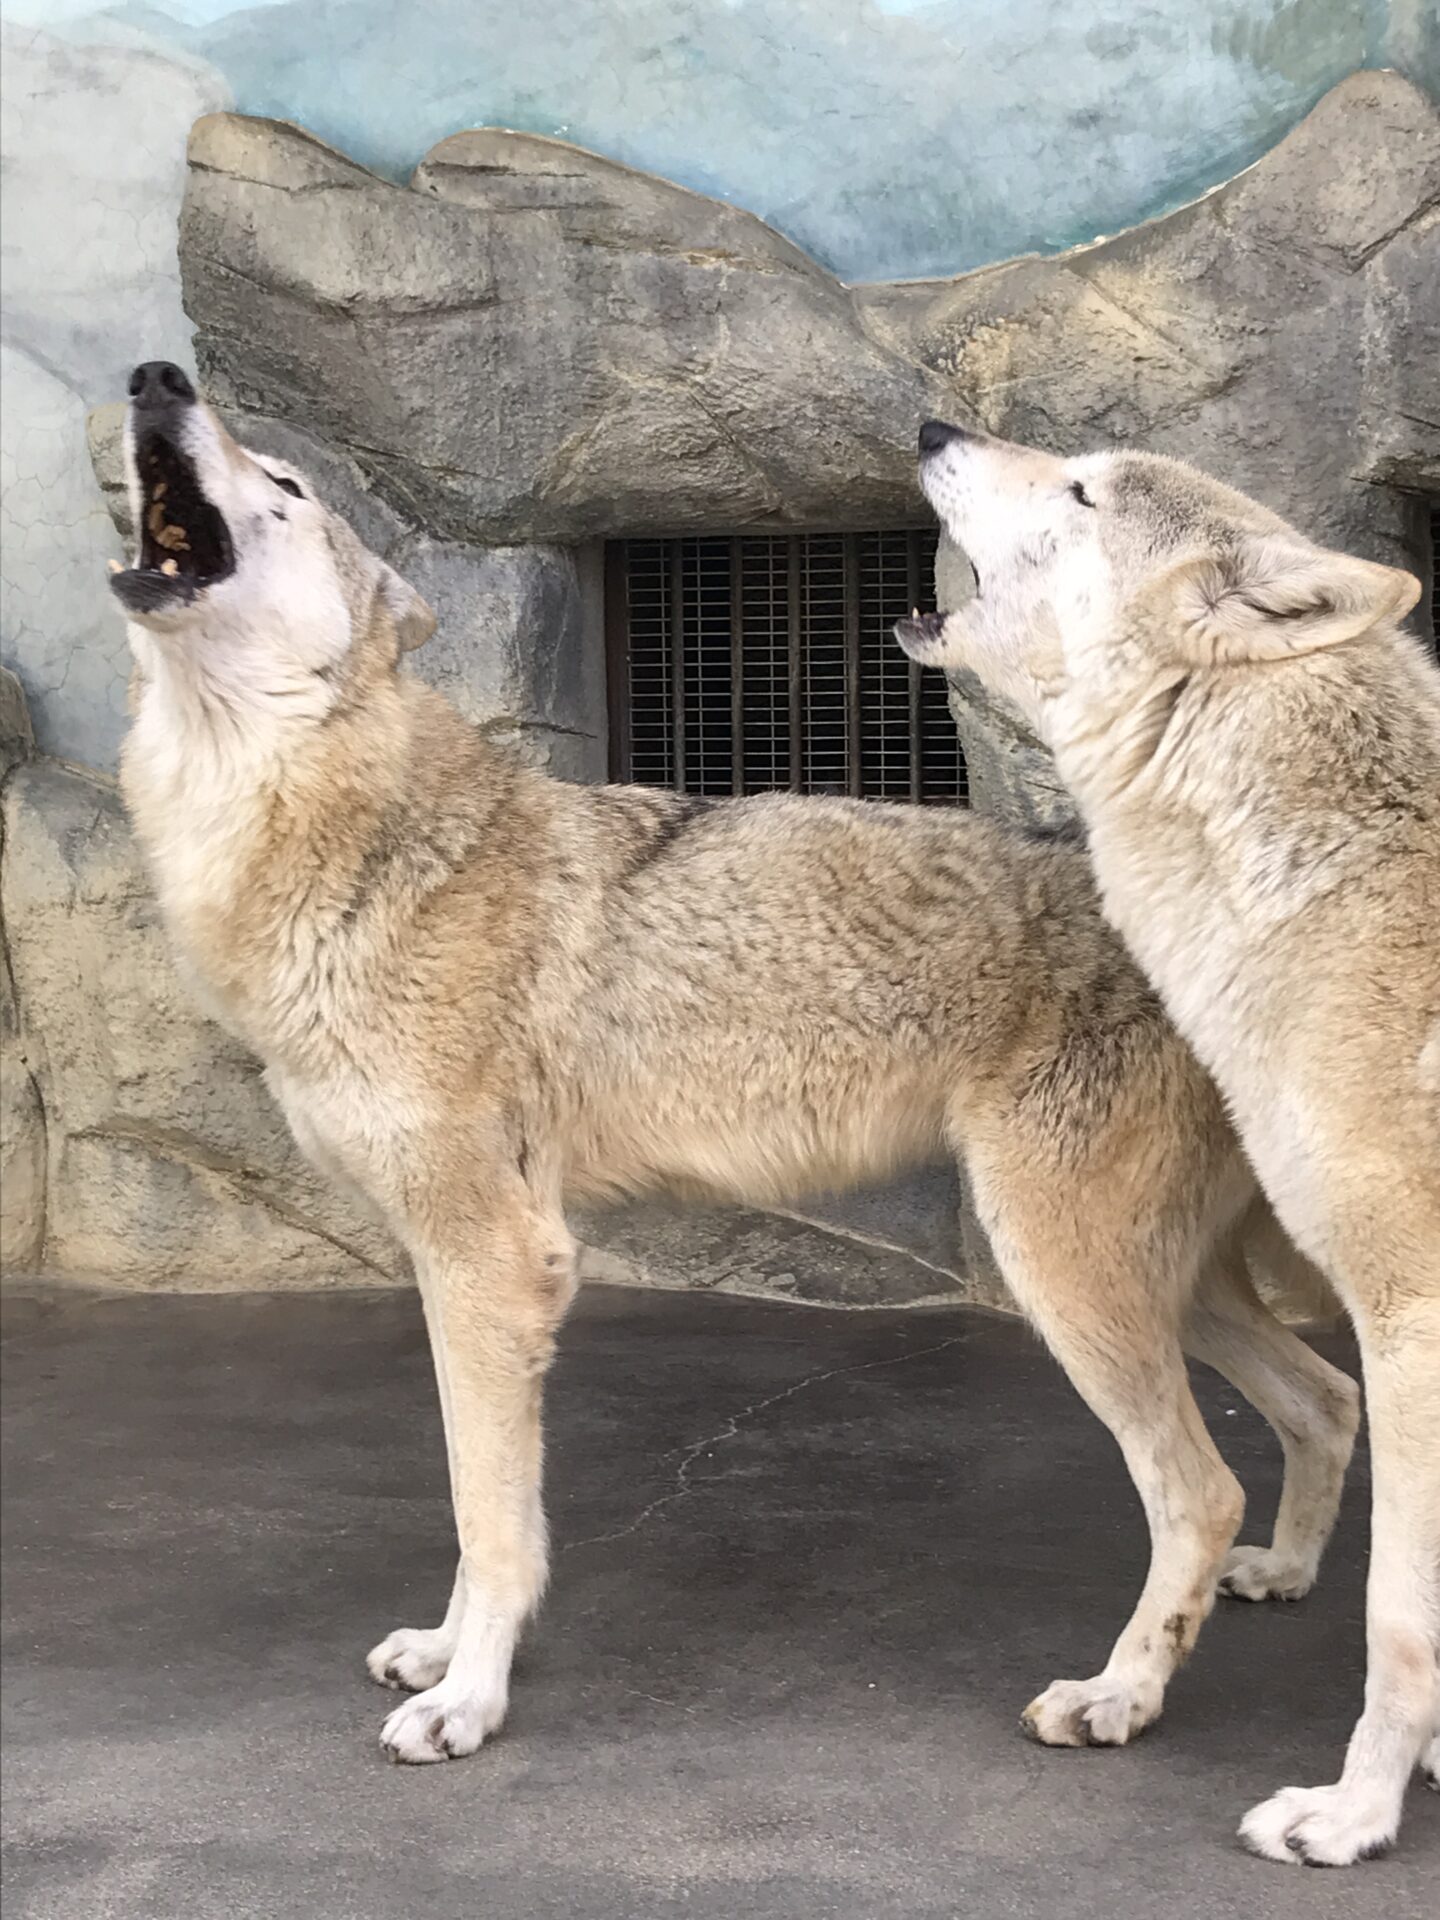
column 478, row 991
column 1254, row 745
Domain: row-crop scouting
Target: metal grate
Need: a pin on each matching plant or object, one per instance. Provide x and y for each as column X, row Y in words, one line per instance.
column 745, row 664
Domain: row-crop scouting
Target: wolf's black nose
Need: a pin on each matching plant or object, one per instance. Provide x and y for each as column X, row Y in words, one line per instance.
column 154, row 382
column 936, row 434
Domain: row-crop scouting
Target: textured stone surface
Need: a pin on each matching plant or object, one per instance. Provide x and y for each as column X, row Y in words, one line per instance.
column 1265, row 332
column 168, row 1161
column 1283, row 332
column 17, row 735
column 637, row 359
column 516, row 647
column 533, row 342
column 22, row 1117
column 530, row 346
column 780, row 1256
column 536, row 343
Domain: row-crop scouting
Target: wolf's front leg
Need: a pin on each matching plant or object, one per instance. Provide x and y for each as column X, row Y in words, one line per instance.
column 1358, row 1816
column 417, row 1657
column 492, row 1314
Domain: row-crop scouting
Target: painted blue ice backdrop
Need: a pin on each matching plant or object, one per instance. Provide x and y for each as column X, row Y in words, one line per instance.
column 888, row 137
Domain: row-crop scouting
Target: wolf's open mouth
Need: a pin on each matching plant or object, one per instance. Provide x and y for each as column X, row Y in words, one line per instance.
column 181, row 534
column 920, row 633
column 185, row 545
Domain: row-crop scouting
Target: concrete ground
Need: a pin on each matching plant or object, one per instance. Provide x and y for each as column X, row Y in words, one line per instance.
column 809, row 1566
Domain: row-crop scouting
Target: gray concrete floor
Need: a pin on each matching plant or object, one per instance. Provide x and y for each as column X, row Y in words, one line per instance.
column 788, row 1688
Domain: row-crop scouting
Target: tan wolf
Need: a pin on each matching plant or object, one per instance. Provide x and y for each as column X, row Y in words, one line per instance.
column 478, row 990
column 1254, row 744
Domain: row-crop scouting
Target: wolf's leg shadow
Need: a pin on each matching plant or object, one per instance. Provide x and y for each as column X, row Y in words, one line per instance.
column 1359, row 1816
column 493, row 1309
column 1313, row 1408
column 1106, row 1277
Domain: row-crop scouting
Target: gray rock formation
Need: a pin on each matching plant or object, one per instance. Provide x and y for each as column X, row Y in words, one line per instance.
column 530, row 349
column 531, row 343
column 22, row 1114
column 1284, row 331
column 168, row 1163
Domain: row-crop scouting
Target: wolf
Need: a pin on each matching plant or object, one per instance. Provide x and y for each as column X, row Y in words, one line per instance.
column 1253, row 741
column 478, row 991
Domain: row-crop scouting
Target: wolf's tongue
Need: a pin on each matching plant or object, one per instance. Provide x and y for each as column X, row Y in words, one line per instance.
column 163, row 532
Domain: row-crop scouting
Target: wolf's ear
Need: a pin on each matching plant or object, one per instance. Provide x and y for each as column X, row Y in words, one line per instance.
column 413, row 615
column 1274, row 598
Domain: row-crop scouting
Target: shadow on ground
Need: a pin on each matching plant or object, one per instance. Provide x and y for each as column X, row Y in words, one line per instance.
column 809, row 1566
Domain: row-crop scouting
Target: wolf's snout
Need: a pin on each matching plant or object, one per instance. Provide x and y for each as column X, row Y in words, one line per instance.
column 159, row 383
column 937, row 434
column 183, row 543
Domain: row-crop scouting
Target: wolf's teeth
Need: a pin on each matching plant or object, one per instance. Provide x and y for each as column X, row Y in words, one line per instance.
column 172, row 567
column 159, row 490
column 914, row 613
column 115, row 566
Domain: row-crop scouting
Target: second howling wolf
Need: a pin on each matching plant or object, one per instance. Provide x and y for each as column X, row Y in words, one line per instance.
column 478, row 991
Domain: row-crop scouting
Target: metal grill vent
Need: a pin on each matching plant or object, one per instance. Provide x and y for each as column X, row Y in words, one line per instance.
column 748, row 664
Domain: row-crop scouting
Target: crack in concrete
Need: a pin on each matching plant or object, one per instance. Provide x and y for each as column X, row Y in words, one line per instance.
column 684, row 1486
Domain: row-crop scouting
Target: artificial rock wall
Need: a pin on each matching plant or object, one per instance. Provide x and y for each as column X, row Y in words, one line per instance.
column 529, row 349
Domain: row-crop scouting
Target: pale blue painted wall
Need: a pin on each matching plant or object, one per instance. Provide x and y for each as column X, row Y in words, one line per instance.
column 889, row 137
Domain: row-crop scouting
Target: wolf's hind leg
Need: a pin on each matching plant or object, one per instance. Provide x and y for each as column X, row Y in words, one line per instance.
column 1107, row 1295
column 1313, row 1408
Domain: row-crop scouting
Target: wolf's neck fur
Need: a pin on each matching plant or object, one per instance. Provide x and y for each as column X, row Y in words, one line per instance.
column 256, row 814
column 1217, row 840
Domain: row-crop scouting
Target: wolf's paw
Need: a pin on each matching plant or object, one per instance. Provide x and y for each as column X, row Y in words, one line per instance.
column 411, row 1657
column 1091, row 1713
column 1259, row 1573
column 444, row 1723
column 1321, row 1826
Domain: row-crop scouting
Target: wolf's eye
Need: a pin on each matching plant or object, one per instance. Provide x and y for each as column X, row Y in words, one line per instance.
column 288, row 485
column 1078, row 493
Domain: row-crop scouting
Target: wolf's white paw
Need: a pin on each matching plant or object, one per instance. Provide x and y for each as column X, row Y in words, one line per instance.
column 1091, row 1713
column 412, row 1657
column 1430, row 1765
column 443, row 1723
column 1321, row 1826
column 1259, row 1573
